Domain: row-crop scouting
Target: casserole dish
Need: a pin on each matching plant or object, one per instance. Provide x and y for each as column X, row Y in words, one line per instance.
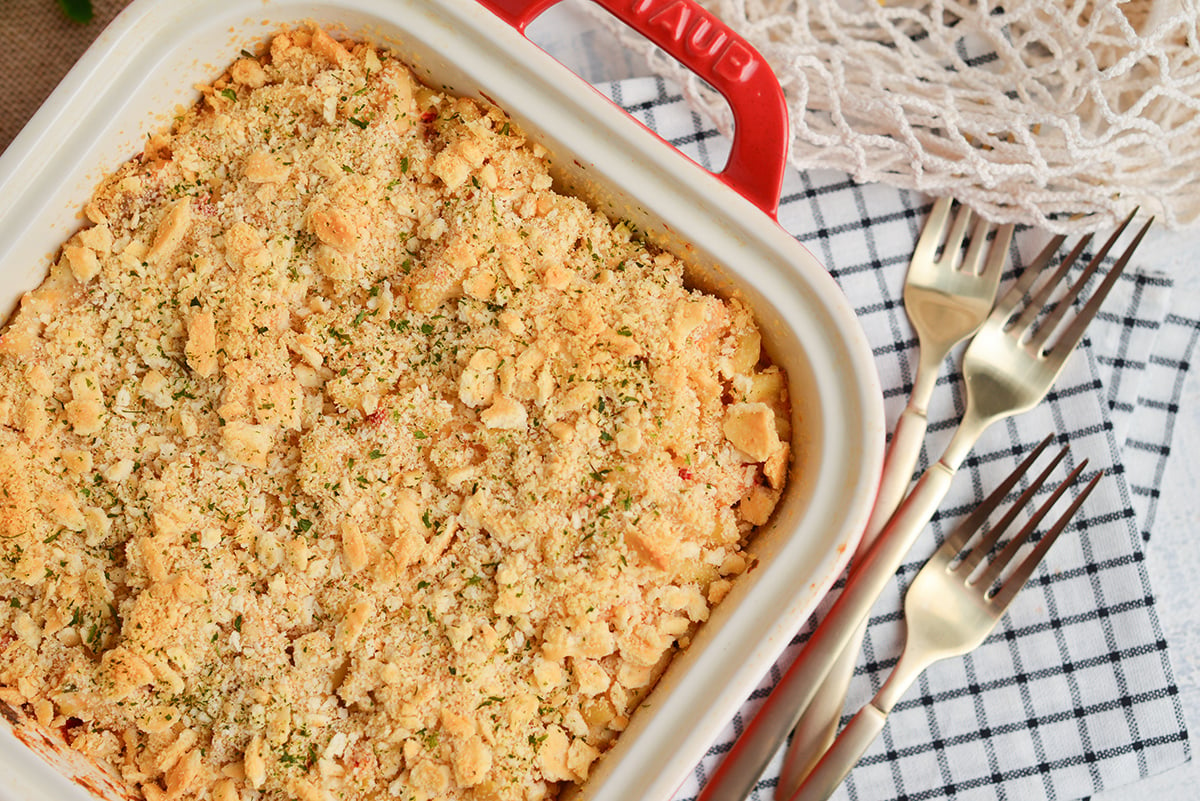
column 142, row 66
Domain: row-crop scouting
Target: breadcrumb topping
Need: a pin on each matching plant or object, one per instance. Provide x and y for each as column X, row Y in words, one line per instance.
column 342, row 457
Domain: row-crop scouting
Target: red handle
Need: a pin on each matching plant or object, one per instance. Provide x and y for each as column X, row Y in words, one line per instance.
column 708, row 47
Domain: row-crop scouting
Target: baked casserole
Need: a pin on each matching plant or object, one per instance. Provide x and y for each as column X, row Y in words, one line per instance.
column 343, row 457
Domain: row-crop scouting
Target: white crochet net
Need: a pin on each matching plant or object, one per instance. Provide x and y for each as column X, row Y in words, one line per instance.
column 1063, row 115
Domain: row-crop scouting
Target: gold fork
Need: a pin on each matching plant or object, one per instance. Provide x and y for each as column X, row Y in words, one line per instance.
column 946, row 297
column 1008, row 368
column 951, row 607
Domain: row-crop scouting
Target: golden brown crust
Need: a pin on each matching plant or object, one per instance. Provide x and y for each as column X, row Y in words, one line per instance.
column 342, row 457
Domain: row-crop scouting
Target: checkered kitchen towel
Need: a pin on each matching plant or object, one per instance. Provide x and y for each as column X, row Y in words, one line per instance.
column 1074, row 692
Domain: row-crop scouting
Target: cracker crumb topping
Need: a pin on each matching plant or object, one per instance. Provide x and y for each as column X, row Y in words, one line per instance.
column 341, row 456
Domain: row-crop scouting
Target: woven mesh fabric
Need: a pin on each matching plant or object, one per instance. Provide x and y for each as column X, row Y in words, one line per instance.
column 1060, row 115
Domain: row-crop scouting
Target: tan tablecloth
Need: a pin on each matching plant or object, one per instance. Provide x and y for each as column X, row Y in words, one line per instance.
column 40, row 45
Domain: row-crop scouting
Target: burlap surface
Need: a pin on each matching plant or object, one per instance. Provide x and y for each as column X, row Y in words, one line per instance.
column 40, row 46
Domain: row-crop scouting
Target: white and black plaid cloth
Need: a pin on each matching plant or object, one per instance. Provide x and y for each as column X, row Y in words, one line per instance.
column 1073, row 693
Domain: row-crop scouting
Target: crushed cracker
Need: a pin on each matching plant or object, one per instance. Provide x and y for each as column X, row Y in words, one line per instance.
column 340, row 456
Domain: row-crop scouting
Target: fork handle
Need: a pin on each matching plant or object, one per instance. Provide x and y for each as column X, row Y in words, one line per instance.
column 817, row 727
column 842, row 756
column 736, row 776
column 898, row 467
column 864, row 727
column 818, row 723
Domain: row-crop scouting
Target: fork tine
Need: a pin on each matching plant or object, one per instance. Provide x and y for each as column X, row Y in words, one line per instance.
column 984, row 547
column 1050, row 322
column 1034, row 308
column 1006, row 304
column 931, row 234
column 998, row 254
column 1060, row 309
column 1020, row 576
column 991, row 573
column 959, row 537
column 1074, row 332
column 952, row 250
column 974, row 255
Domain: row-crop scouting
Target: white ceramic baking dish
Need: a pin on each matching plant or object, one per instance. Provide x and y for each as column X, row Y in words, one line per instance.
column 148, row 60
